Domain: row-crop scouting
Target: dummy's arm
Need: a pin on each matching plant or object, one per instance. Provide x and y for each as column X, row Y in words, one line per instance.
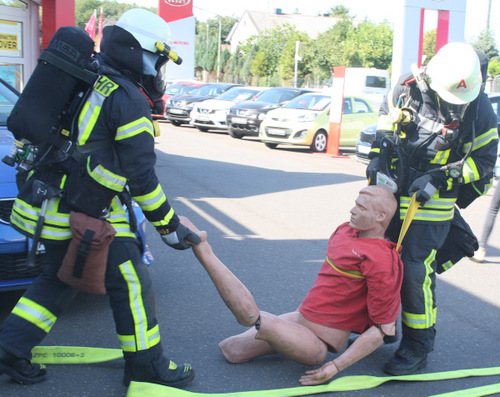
column 365, row 344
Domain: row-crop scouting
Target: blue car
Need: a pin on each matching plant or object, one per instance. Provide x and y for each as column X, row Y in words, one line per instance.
column 14, row 247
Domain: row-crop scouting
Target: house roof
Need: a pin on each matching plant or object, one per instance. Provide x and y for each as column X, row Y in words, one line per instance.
column 312, row 25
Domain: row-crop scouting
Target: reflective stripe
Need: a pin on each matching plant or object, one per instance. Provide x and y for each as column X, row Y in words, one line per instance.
column 482, row 140
column 134, row 128
column 441, row 157
column 35, row 314
column 447, row 265
column 151, row 201
column 127, row 342
column 469, row 171
column 436, row 209
column 351, row 273
column 165, row 221
column 25, row 217
column 88, row 116
column 428, row 318
column 106, row 178
column 92, row 108
column 136, row 304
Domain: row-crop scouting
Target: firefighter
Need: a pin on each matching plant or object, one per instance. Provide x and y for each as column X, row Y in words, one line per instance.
column 117, row 112
column 437, row 139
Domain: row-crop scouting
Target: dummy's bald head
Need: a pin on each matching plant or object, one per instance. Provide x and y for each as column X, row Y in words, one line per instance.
column 383, row 201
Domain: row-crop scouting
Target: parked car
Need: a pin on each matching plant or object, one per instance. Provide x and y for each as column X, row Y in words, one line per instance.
column 244, row 118
column 14, row 247
column 367, row 135
column 177, row 88
column 305, row 121
column 211, row 114
column 179, row 107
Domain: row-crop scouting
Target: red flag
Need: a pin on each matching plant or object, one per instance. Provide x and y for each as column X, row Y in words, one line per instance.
column 99, row 33
column 90, row 26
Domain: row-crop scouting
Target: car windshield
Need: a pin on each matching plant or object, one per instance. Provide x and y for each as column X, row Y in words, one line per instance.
column 238, row 94
column 177, row 89
column 277, row 95
column 7, row 101
column 310, row 102
column 210, row 90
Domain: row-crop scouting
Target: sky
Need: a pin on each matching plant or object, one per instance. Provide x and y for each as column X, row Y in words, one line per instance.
column 372, row 10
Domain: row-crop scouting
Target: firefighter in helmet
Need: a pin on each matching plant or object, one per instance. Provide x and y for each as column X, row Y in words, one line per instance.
column 117, row 112
column 437, row 139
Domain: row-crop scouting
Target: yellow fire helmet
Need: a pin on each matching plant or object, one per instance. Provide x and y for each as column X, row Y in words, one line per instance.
column 454, row 73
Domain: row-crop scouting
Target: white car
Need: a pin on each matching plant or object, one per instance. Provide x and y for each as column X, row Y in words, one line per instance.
column 211, row 113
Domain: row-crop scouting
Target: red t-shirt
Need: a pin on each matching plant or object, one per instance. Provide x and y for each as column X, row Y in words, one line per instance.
column 363, row 291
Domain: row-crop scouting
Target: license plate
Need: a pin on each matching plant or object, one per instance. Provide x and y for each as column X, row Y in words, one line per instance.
column 176, row 111
column 276, row 131
column 364, row 149
column 238, row 120
column 201, row 117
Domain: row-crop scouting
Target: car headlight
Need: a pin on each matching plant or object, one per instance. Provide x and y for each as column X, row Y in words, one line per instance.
column 307, row 117
column 262, row 116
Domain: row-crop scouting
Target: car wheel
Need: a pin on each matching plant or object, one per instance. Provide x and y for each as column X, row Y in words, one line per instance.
column 202, row 129
column 271, row 145
column 319, row 142
column 234, row 134
column 175, row 122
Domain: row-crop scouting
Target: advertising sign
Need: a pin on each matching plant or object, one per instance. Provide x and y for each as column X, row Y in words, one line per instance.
column 179, row 15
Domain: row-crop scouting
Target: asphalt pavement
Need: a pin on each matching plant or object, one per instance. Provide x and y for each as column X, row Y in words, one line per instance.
column 269, row 214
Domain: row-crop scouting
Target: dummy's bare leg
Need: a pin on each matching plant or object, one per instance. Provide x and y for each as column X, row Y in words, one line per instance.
column 233, row 292
column 282, row 334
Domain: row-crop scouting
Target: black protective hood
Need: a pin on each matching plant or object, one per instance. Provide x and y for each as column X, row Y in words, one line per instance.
column 123, row 49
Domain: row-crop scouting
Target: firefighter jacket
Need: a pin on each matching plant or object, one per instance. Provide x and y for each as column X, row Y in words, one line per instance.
column 424, row 144
column 118, row 113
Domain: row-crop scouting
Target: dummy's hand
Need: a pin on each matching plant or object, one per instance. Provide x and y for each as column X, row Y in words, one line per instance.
column 180, row 238
column 372, row 169
column 427, row 185
column 320, row 375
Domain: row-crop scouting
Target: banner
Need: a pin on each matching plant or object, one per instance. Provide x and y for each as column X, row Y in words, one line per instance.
column 90, row 25
column 179, row 15
column 99, row 33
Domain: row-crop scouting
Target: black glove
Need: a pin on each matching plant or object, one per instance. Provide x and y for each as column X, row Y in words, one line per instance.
column 372, row 169
column 427, row 185
column 176, row 238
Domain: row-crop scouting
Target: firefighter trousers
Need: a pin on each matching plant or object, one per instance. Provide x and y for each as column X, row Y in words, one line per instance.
column 418, row 296
column 128, row 285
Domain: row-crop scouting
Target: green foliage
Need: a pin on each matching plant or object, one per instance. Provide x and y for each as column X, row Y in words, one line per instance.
column 259, row 66
column 494, row 67
column 486, row 43
column 429, row 45
column 212, row 25
column 286, row 64
column 111, row 10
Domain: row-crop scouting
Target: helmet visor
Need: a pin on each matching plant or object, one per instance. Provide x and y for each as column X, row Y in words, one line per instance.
column 450, row 111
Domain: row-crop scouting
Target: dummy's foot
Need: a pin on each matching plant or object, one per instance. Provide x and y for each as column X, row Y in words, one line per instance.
column 479, row 256
column 21, row 370
column 405, row 362
column 175, row 376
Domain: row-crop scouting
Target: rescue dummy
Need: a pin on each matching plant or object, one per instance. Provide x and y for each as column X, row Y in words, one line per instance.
column 329, row 312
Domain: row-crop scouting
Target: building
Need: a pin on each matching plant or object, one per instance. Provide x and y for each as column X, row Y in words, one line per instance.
column 252, row 23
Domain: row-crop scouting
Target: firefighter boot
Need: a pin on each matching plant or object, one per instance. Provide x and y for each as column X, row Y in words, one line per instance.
column 151, row 366
column 21, row 370
column 405, row 362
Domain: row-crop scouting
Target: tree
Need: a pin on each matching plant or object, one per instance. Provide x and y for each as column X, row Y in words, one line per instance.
column 429, row 45
column 494, row 67
column 286, row 64
column 111, row 10
column 486, row 43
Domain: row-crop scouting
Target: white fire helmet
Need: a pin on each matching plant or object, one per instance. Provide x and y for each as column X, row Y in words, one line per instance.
column 146, row 27
column 454, row 73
